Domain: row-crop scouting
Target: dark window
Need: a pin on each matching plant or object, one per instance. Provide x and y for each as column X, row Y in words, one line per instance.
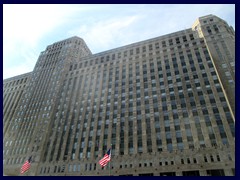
column 216, row 172
column 191, row 173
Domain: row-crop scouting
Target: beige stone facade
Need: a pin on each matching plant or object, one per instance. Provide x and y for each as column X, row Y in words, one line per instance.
column 164, row 105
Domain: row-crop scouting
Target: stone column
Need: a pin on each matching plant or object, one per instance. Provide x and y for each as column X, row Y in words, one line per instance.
column 203, row 173
column 228, row 172
column 178, row 173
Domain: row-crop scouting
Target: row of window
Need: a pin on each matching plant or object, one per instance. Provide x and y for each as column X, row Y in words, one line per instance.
column 75, row 41
column 213, row 172
column 13, row 89
column 163, row 162
column 100, row 109
column 157, row 126
column 208, row 21
column 14, row 83
column 27, row 112
column 137, row 51
column 168, row 68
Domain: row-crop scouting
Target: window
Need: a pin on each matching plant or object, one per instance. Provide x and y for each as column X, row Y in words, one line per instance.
column 69, row 168
column 182, row 161
column 205, row 159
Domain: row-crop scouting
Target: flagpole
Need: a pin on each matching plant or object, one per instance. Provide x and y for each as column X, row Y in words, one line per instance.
column 110, row 168
column 110, row 161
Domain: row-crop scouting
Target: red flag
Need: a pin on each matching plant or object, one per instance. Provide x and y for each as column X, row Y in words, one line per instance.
column 107, row 157
column 26, row 166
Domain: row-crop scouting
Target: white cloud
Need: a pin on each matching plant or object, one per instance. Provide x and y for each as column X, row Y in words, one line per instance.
column 28, row 23
column 103, row 27
column 133, row 23
column 23, row 28
column 105, row 33
column 21, row 69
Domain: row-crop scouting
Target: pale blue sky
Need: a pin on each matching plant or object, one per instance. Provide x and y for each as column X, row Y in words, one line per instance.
column 28, row 29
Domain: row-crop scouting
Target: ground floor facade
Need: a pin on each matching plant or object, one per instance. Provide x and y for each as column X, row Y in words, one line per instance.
column 218, row 161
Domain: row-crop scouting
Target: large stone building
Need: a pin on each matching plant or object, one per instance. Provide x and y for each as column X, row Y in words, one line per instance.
column 165, row 106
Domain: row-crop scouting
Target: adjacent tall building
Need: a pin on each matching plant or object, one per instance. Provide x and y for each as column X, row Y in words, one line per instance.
column 165, row 106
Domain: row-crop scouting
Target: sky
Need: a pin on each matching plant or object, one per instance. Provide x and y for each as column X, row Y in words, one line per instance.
column 29, row 28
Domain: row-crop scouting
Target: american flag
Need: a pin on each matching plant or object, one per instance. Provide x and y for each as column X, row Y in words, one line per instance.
column 107, row 157
column 26, row 166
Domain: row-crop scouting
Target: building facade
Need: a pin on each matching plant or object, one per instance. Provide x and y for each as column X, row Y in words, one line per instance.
column 165, row 106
